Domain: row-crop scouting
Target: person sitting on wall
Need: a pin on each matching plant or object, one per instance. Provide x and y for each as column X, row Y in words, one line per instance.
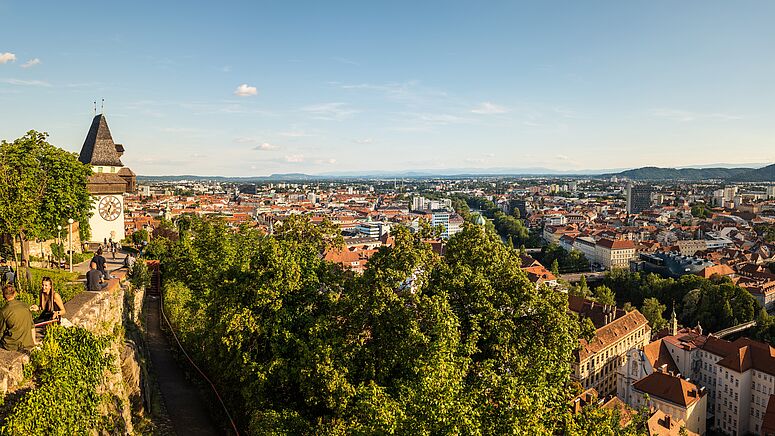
column 93, row 278
column 16, row 325
column 129, row 261
column 51, row 305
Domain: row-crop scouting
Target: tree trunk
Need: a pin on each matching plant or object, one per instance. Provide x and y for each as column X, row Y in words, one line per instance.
column 25, row 252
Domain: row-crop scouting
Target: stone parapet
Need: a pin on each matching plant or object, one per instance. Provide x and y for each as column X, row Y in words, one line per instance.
column 99, row 312
column 11, row 369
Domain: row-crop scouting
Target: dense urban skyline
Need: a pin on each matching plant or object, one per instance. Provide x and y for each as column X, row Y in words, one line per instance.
column 244, row 89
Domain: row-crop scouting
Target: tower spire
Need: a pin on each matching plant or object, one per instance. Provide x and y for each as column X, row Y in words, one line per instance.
column 673, row 322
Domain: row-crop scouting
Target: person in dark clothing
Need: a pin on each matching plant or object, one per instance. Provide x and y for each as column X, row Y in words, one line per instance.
column 10, row 276
column 3, row 269
column 101, row 262
column 16, row 325
column 93, row 278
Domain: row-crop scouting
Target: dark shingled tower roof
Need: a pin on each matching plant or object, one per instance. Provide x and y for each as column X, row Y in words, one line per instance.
column 98, row 148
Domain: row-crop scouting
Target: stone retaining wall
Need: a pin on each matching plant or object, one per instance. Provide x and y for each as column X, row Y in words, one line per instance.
column 101, row 313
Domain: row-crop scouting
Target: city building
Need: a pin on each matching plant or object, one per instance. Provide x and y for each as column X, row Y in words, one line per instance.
column 420, row 204
column 372, row 229
column 738, row 376
column 638, row 198
column 610, row 253
column 674, row 396
column 670, row 264
column 616, row 332
column 662, row 424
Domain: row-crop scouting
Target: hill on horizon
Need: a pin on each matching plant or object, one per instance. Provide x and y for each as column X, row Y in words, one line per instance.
column 764, row 174
column 692, row 174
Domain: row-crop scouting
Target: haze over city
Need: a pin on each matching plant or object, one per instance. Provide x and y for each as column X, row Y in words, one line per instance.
column 244, row 89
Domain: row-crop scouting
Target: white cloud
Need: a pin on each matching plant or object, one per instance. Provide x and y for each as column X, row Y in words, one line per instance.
column 486, row 157
column 264, row 146
column 409, row 92
column 245, row 91
column 330, row 161
column 25, row 82
column 295, row 134
column 364, row 141
column 436, row 119
column 345, row 61
column 31, row 63
column 562, row 157
column 330, row 111
column 686, row 116
column 487, row 108
column 7, row 57
column 294, row 158
column 244, row 140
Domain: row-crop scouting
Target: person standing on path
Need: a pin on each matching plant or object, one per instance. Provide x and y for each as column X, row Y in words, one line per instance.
column 16, row 325
column 101, row 262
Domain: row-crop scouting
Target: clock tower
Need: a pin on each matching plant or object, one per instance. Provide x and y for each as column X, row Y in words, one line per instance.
column 110, row 181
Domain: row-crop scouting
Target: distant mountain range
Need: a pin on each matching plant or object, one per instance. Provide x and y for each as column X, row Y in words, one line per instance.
column 693, row 173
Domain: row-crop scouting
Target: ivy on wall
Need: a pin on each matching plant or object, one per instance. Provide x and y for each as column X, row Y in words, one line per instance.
column 66, row 372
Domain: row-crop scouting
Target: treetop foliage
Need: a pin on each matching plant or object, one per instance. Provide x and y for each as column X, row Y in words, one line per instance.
column 417, row 344
column 41, row 186
column 715, row 303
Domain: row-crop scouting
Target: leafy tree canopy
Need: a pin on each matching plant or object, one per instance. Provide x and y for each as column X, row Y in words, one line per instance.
column 417, row 344
column 41, row 187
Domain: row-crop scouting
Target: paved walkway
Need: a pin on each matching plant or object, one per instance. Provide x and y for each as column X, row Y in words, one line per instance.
column 112, row 264
column 185, row 407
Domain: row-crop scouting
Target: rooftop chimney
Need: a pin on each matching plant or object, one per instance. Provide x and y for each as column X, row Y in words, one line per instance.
column 667, row 421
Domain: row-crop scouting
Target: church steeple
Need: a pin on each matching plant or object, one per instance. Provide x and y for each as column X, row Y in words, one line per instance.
column 673, row 322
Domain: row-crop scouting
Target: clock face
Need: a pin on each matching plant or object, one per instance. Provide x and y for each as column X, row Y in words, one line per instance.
column 110, row 207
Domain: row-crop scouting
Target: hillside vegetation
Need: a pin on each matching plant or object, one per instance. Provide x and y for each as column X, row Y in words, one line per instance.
column 418, row 344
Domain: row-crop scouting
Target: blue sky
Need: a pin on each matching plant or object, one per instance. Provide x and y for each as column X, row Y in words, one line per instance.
column 399, row 85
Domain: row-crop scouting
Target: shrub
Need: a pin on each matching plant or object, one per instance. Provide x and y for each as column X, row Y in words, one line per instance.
column 67, row 370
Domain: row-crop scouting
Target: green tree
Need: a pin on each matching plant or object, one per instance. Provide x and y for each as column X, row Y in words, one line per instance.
column 41, row 187
column 555, row 268
column 140, row 236
column 604, row 295
column 417, row 344
column 699, row 211
column 583, row 284
column 652, row 309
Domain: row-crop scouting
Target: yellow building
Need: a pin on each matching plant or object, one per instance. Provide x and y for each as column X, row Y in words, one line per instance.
column 617, row 332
